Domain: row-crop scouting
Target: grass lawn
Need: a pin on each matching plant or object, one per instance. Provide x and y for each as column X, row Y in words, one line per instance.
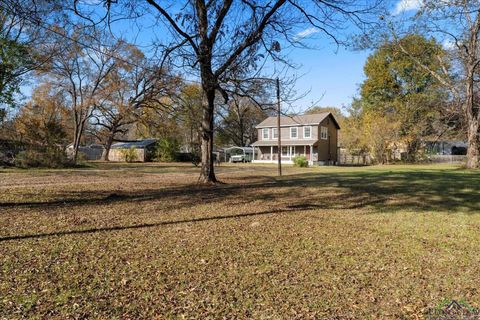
column 144, row 241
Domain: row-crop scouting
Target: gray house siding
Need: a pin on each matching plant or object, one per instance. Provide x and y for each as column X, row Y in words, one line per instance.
column 316, row 148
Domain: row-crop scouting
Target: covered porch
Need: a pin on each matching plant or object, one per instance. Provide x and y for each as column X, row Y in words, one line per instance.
column 269, row 153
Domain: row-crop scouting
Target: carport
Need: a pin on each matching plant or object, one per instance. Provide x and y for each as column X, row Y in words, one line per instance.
column 247, row 153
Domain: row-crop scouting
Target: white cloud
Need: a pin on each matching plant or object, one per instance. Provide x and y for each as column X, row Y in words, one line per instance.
column 407, row 5
column 448, row 44
column 305, row 33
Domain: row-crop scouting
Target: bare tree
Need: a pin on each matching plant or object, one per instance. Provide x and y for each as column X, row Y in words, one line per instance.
column 81, row 70
column 130, row 87
column 189, row 116
column 457, row 23
column 238, row 119
column 217, row 39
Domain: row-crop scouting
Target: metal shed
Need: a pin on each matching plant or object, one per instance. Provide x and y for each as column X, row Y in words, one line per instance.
column 144, row 149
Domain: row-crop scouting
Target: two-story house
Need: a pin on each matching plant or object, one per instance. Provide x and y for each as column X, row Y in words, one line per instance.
column 314, row 136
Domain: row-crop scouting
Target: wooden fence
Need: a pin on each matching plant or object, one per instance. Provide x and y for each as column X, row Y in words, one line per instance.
column 346, row 159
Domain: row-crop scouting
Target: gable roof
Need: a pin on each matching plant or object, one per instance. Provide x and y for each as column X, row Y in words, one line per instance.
column 306, row 119
column 136, row 144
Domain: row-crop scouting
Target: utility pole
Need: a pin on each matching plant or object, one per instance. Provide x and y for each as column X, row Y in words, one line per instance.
column 279, row 135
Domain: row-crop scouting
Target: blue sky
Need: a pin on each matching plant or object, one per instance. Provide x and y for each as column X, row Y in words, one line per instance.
column 331, row 75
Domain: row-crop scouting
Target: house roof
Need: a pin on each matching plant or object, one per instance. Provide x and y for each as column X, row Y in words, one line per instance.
column 300, row 142
column 307, row 119
column 136, row 144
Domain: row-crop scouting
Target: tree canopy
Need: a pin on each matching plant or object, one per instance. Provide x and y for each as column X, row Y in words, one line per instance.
column 397, row 89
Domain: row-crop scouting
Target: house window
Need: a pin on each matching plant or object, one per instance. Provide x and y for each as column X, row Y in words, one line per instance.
column 275, row 133
column 285, row 151
column 293, row 133
column 324, row 133
column 307, row 132
column 265, row 134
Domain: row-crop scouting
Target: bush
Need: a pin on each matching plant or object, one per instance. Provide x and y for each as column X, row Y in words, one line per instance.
column 192, row 157
column 166, row 150
column 196, row 159
column 196, row 155
column 48, row 158
column 6, row 159
column 300, row 161
column 130, row 155
column 82, row 158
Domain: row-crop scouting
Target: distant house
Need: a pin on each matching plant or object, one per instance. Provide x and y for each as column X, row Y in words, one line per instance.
column 143, row 148
column 90, row 152
column 314, row 135
column 446, row 147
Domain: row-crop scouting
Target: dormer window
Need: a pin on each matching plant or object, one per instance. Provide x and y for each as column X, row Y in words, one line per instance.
column 265, row 134
column 307, row 132
column 293, row 133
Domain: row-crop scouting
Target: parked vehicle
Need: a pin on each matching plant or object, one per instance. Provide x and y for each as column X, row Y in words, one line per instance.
column 238, row 158
column 239, row 154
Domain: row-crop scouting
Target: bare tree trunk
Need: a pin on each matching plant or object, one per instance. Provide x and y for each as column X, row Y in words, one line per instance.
column 472, row 120
column 412, row 149
column 242, row 133
column 472, row 152
column 472, row 135
column 207, row 174
column 77, row 136
column 108, row 146
column 76, row 144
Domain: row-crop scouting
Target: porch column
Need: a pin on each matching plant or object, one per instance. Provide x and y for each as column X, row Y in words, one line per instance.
column 311, row 154
column 271, row 153
column 253, row 154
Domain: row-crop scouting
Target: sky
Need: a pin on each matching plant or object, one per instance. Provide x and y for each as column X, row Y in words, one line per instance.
column 329, row 76
column 332, row 75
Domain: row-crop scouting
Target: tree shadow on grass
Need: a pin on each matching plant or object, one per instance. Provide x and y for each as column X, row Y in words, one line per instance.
column 156, row 224
column 426, row 190
column 386, row 191
column 381, row 191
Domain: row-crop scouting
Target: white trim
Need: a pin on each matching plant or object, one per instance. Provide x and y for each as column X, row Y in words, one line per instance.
column 294, row 138
column 322, row 132
column 311, row 154
column 310, row 136
column 273, row 133
column 273, row 161
column 268, row 134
